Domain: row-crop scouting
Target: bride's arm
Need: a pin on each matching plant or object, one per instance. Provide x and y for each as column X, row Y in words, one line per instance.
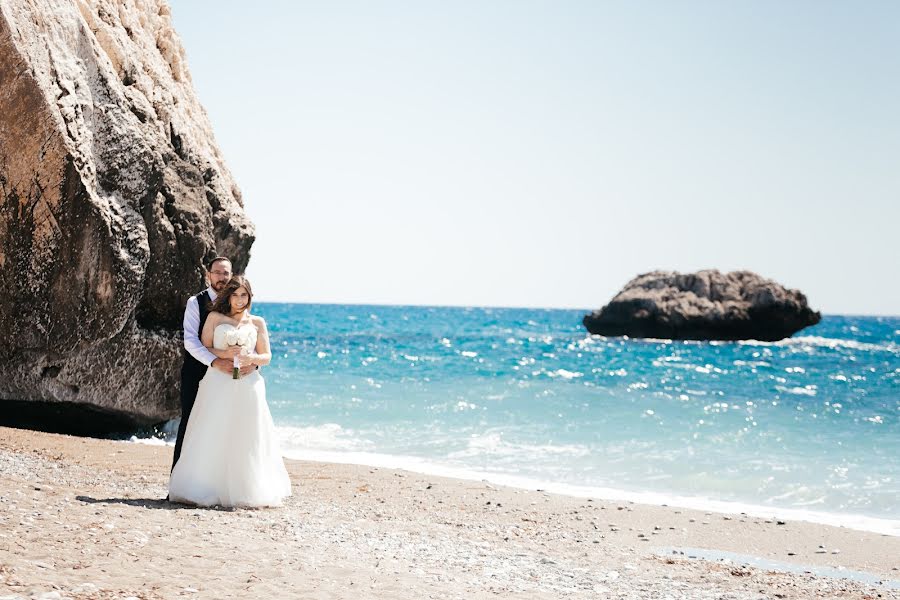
column 263, row 353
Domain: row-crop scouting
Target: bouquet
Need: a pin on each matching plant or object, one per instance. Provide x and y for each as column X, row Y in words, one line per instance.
column 237, row 337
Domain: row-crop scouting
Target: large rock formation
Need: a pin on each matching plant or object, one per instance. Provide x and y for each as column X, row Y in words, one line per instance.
column 707, row 305
column 112, row 195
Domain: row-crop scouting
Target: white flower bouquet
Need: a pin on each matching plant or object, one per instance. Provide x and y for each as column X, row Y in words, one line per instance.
column 238, row 337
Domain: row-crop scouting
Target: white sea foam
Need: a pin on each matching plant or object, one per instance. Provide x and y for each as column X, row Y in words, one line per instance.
column 824, row 342
column 565, row 374
column 152, row 441
column 494, row 445
column 329, row 437
column 809, row 390
column 169, row 430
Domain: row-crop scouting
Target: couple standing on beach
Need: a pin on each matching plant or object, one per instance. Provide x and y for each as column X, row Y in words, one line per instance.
column 226, row 453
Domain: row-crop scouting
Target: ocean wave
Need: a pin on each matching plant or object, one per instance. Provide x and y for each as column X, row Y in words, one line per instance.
column 164, row 436
column 328, row 437
column 493, row 445
column 809, row 390
column 830, row 343
column 557, row 373
column 151, row 441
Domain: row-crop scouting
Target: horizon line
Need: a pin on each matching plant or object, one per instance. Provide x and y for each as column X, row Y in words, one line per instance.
column 513, row 307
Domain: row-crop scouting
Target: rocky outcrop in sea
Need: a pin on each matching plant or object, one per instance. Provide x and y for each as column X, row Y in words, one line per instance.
column 112, row 195
column 707, row 305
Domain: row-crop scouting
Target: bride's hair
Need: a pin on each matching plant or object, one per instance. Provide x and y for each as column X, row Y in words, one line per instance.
column 222, row 302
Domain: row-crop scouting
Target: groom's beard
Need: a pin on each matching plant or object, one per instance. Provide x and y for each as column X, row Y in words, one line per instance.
column 219, row 286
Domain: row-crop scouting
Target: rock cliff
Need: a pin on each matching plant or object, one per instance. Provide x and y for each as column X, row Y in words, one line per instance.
column 112, row 195
column 707, row 305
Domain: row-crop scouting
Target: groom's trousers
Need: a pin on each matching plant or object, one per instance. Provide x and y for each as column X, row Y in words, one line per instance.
column 190, row 382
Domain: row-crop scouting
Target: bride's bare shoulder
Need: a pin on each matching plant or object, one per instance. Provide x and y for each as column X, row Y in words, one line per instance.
column 258, row 321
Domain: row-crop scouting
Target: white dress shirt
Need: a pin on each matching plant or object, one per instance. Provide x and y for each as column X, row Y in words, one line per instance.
column 192, row 332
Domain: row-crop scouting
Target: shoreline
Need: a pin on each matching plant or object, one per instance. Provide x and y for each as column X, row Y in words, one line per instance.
column 421, row 466
column 85, row 517
column 857, row 522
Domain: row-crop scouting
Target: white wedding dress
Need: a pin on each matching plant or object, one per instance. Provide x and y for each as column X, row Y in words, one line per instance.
column 230, row 456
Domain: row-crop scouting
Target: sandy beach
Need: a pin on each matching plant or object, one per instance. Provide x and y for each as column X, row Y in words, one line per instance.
column 85, row 519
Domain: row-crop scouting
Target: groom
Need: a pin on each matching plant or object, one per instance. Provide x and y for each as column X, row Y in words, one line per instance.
column 197, row 358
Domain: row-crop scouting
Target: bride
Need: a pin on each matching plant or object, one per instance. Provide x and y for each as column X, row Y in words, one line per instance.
column 230, row 456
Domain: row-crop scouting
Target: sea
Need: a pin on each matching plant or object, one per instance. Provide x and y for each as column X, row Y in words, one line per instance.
column 806, row 428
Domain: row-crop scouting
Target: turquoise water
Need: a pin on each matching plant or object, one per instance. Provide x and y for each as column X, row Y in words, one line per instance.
column 808, row 424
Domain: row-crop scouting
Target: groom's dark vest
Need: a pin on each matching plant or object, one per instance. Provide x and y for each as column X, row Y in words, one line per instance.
column 191, row 366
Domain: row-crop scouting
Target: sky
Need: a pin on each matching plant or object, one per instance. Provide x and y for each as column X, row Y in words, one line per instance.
column 541, row 154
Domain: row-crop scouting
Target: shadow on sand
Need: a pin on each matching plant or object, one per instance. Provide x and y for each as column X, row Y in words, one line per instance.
column 154, row 503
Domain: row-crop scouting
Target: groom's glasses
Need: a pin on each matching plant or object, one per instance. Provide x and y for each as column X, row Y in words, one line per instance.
column 222, row 273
